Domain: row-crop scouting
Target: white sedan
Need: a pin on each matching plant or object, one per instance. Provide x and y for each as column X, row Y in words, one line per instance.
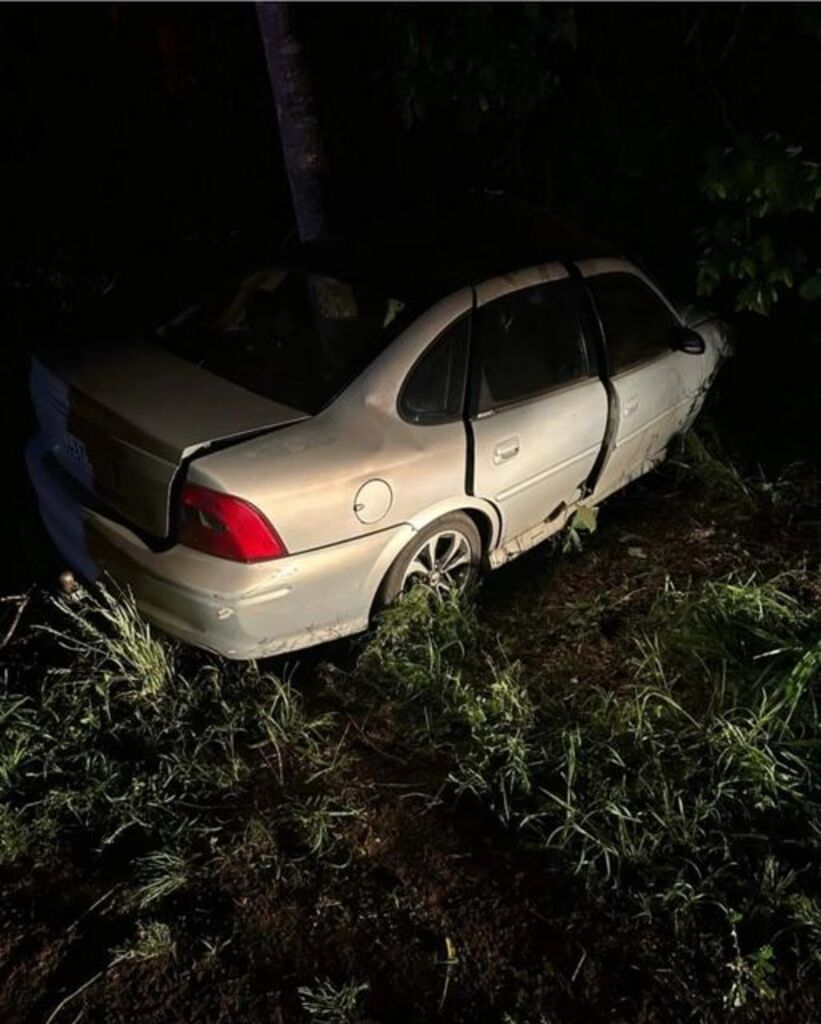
column 399, row 406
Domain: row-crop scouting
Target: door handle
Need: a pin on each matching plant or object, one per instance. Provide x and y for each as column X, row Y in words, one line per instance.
column 505, row 450
column 630, row 406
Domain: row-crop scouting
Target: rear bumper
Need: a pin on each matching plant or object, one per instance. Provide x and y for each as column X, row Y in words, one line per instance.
column 237, row 610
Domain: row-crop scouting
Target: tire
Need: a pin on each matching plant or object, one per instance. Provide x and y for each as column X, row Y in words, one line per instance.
column 456, row 527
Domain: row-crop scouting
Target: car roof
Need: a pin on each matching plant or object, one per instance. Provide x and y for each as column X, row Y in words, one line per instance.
column 424, row 255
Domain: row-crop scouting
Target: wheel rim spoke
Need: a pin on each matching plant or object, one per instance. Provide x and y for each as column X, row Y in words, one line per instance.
column 456, row 554
column 453, row 549
column 416, row 568
column 455, row 564
column 442, row 562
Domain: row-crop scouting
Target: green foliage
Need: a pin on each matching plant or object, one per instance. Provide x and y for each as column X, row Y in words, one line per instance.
column 764, row 191
column 483, row 63
column 421, row 640
column 706, row 461
column 316, row 820
column 429, row 657
column 115, row 739
column 674, row 776
column 694, row 789
column 160, row 874
column 686, row 802
column 702, row 457
column 14, row 840
column 153, row 940
column 114, row 642
column 583, row 521
column 751, row 977
column 481, row 70
column 257, row 846
column 326, row 1003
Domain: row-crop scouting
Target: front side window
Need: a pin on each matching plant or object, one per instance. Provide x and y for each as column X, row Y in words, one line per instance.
column 528, row 342
column 435, row 388
column 635, row 321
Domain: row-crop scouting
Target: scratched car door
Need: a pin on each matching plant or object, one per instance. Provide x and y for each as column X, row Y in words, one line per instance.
column 654, row 387
column 539, row 411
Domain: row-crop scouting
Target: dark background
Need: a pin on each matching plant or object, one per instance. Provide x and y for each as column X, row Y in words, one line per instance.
column 140, row 159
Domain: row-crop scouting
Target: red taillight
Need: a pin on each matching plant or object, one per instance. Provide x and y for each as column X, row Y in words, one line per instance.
column 227, row 527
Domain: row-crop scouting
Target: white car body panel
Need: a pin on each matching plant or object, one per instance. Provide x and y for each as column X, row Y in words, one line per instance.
column 348, row 488
column 533, row 457
column 654, row 401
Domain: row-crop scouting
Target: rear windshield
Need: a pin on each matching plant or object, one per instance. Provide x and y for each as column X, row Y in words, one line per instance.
column 295, row 337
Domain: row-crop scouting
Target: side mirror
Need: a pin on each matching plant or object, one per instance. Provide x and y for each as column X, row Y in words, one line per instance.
column 685, row 339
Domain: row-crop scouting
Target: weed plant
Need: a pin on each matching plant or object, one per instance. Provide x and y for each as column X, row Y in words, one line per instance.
column 120, row 744
column 690, row 799
column 327, row 1003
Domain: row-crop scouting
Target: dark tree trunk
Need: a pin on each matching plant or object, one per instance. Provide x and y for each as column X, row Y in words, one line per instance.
column 298, row 127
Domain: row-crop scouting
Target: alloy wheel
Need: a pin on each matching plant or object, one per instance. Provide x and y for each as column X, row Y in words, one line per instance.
column 442, row 561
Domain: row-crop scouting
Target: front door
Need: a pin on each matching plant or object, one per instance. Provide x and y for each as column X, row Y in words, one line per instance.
column 654, row 387
column 539, row 411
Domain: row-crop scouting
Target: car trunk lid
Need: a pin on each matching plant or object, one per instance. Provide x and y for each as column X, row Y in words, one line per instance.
column 122, row 421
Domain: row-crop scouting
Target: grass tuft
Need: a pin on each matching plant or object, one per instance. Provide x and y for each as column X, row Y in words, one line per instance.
column 153, row 941
column 159, row 875
column 120, row 745
column 690, row 798
column 326, row 1003
column 454, row 691
column 704, row 459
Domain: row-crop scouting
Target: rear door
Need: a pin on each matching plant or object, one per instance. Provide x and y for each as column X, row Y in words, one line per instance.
column 539, row 412
column 654, row 388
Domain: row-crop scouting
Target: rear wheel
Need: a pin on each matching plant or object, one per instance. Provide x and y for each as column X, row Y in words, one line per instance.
column 444, row 556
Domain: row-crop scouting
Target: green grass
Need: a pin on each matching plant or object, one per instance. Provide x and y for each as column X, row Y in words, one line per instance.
column 703, row 458
column 159, row 875
column 326, row 1003
column 117, row 742
column 153, row 940
column 453, row 689
column 689, row 799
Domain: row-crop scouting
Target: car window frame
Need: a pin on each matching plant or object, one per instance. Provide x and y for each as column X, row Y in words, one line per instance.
column 610, row 267
column 441, row 336
column 475, row 369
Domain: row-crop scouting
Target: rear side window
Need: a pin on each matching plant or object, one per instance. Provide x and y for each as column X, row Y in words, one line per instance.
column 435, row 388
column 290, row 335
column 636, row 322
column 528, row 342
